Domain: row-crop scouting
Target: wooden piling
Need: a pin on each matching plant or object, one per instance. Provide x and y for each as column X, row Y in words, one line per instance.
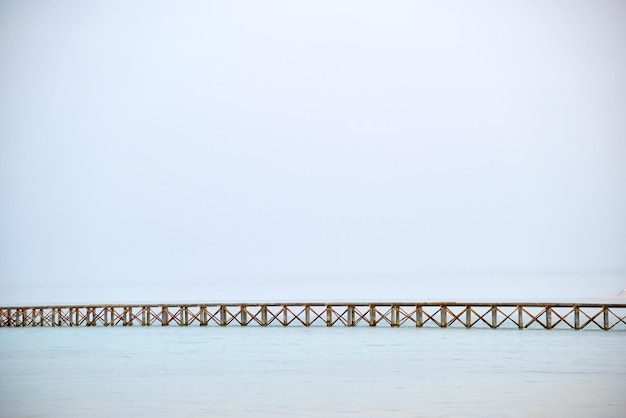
column 165, row 316
column 223, row 318
column 443, row 321
column 329, row 316
column 307, row 315
column 204, row 320
column 285, row 315
column 419, row 322
column 350, row 314
column 264, row 316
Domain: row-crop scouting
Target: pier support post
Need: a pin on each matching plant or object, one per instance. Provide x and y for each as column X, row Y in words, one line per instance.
column 165, row 316
column 223, row 320
column 185, row 316
column 350, row 315
column 307, row 315
column 468, row 317
column 606, row 318
column 419, row 321
column 520, row 317
column 494, row 316
column 264, row 315
column 576, row 317
column 285, row 316
column 243, row 314
column 548, row 317
column 372, row 315
column 395, row 314
column 444, row 316
column 329, row 316
column 203, row 316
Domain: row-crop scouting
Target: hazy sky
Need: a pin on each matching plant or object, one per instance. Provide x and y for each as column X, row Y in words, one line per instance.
column 321, row 150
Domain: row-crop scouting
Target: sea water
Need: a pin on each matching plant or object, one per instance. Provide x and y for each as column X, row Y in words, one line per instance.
column 311, row 372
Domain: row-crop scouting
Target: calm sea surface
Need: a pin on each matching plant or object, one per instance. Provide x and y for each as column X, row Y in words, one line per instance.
column 327, row 372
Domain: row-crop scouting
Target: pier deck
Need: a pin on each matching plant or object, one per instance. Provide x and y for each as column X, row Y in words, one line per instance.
column 393, row 314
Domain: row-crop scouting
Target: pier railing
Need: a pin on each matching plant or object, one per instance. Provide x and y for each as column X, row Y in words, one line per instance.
column 426, row 314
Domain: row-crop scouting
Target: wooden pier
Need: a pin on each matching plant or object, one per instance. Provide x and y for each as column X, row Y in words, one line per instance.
column 392, row 314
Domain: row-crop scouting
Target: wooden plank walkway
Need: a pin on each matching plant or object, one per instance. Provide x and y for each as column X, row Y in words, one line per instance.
column 393, row 314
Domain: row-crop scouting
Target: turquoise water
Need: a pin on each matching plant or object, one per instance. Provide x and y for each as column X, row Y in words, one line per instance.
column 329, row 372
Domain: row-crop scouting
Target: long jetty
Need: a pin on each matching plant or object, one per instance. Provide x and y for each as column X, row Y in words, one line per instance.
column 392, row 314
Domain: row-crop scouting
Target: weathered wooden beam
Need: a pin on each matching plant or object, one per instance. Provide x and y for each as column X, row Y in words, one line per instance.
column 350, row 316
column 548, row 317
column 204, row 320
column 329, row 316
column 419, row 321
column 307, row 315
column 264, row 316
column 443, row 320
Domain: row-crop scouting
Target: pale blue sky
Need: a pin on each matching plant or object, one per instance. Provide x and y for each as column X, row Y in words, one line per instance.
column 268, row 150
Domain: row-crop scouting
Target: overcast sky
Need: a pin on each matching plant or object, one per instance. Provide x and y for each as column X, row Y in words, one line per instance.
column 311, row 150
